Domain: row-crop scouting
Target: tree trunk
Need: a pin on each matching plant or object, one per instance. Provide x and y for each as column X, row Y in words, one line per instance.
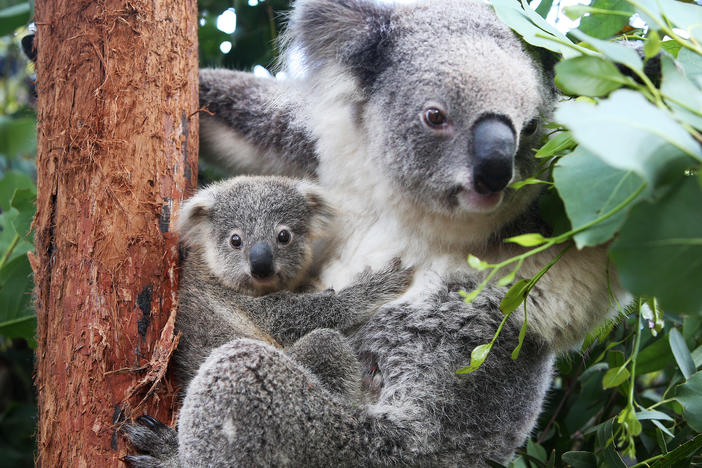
column 117, row 152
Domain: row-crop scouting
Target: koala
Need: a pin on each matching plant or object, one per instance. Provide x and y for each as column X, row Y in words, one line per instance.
column 249, row 273
column 416, row 118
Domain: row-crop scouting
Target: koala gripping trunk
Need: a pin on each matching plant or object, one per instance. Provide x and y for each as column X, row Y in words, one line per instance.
column 117, row 152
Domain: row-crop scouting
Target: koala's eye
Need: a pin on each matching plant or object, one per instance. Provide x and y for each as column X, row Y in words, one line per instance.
column 236, row 241
column 531, row 127
column 284, row 236
column 434, row 117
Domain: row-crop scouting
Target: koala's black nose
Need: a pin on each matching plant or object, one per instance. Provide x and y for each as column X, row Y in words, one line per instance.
column 261, row 258
column 493, row 144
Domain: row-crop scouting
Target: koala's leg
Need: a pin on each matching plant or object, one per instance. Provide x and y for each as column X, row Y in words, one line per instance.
column 251, row 405
column 254, row 128
column 329, row 356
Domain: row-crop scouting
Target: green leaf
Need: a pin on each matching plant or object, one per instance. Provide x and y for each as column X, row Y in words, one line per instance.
column 580, row 459
column 659, row 249
column 612, row 50
column 681, row 353
column 560, row 143
column 671, row 46
column 615, row 377
column 652, row 45
column 527, row 181
column 681, row 94
column 544, row 7
column 11, row 181
column 629, row 133
column 662, row 428
column 589, row 76
column 16, row 315
column 654, row 357
column 13, row 17
column 684, row 16
column 515, row 296
column 522, row 335
column 689, row 395
column 477, row 357
column 606, row 453
column 18, row 136
column 476, row 263
column 683, row 452
column 590, row 189
column 469, row 296
column 23, row 202
column 604, row 25
column 692, row 63
column 649, row 415
column 513, row 15
column 528, row 240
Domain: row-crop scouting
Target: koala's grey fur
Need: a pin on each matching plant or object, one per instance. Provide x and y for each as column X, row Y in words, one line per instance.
column 220, row 300
column 402, row 190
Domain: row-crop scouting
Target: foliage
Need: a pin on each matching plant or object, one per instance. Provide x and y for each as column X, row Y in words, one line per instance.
column 625, row 158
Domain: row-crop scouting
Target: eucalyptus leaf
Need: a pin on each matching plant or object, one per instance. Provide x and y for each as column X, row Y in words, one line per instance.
column 681, row 94
column 580, row 459
column 681, row 453
column 604, row 25
column 515, row 296
column 13, row 17
column 589, row 76
column 23, row 202
column 11, row 181
column 689, row 395
column 522, row 335
column 692, row 63
column 513, row 15
column 684, row 16
column 659, row 249
column 644, row 415
column 559, row 143
column 477, row 357
column 654, row 357
column 15, row 299
column 544, row 7
column 652, row 45
column 681, row 353
column 590, row 189
column 612, row 50
column 629, row 133
column 18, row 136
column 528, row 240
column 615, row 377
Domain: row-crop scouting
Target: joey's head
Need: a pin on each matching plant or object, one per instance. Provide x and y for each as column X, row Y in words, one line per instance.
column 255, row 233
column 449, row 100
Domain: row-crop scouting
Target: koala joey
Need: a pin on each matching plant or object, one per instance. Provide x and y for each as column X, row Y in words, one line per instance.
column 253, row 246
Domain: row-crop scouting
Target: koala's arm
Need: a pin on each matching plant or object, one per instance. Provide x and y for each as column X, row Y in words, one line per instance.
column 287, row 316
column 255, row 126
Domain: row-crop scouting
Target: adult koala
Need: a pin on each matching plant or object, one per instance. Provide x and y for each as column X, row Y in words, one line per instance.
column 415, row 118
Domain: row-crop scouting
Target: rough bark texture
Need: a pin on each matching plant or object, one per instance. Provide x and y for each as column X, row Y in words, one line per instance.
column 117, row 86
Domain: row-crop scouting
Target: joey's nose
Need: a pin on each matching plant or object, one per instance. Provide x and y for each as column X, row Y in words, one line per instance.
column 261, row 259
column 493, row 144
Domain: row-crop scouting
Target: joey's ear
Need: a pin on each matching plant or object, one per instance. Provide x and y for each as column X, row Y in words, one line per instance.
column 352, row 33
column 322, row 212
column 194, row 218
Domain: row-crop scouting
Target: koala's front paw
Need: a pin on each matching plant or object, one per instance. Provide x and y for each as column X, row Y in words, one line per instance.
column 156, row 441
column 390, row 282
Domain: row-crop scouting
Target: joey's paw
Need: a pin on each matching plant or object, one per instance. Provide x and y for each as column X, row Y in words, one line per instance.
column 396, row 277
column 157, row 443
column 387, row 283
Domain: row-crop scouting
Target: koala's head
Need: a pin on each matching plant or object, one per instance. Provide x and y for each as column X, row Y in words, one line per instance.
column 255, row 233
column 450, row 101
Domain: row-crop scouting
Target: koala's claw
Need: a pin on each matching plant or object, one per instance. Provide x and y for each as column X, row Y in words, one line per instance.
column 155, row 441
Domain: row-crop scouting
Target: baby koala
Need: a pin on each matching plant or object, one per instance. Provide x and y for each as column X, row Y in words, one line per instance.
column 254, row 245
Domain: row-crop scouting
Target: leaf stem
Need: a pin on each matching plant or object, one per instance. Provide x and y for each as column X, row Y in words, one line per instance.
column 10, row 249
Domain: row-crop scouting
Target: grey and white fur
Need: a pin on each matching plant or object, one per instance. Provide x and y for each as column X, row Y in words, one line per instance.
column 420, row 116
column 250, row 273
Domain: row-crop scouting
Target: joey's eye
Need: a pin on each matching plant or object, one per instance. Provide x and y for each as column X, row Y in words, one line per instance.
column 531, row 127
column 235, row 241
column 434, row 117
column 284, row 236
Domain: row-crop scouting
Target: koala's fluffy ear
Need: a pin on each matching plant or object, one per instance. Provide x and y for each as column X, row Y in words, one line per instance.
column 322, row 212
column 194, row 217
column 353, row 33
